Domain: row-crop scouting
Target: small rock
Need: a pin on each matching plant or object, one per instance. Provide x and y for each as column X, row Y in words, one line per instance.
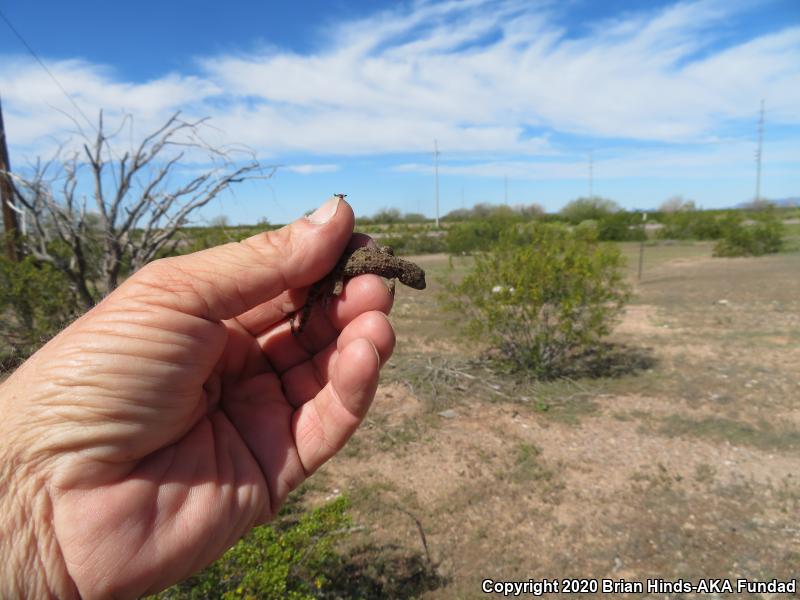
column 448, row 414
column 723, row 302
column 334, row 494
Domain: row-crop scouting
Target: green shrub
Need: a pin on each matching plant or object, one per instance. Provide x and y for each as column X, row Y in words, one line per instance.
column 483, row 210
column 415, row 243
column 765, row 236
column 288, row 559
column 542, row 295
column 586, row 228
column 614, row 227
column 36, row 301
column 415, row 218
column 594, row 208
column 621, row 226
column 690, row 225
column 477, row 235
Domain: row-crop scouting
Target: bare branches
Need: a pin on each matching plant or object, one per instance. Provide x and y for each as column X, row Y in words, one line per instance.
column 141, row 198
column 170, row 211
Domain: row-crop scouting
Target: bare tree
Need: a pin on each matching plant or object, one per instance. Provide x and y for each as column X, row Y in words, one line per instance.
column 677, row 204
column 134, row 206
column 532, row 210
column 758, row 205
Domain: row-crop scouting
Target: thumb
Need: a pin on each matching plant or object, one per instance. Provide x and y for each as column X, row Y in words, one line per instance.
column 223, row 282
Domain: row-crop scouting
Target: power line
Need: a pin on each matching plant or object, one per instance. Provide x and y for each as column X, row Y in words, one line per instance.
column 63, row 90
column 46, row 70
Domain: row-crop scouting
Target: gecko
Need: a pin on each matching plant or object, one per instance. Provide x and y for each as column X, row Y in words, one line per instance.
column 378, row 261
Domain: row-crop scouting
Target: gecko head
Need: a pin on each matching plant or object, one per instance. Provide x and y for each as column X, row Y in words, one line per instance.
column 413, row 277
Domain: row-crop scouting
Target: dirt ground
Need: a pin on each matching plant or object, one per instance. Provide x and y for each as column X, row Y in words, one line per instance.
column 684, row 464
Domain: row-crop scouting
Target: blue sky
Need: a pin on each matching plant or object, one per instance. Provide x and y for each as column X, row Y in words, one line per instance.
column 349, row 96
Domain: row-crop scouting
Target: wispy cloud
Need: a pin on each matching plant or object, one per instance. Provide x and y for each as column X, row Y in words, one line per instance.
column 40, row 118
column 311, row 169
column 717, row 160
column 480, row 76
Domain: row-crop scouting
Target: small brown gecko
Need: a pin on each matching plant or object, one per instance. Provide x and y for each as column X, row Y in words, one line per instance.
column 378, row 261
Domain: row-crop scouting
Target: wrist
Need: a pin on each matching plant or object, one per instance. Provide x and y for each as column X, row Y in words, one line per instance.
column 31, row 563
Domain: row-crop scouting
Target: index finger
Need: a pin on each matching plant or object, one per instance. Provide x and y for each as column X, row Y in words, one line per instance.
column 262, row 317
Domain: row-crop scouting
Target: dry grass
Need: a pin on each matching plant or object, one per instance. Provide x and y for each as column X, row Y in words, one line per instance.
column 681, row 461
column 685, row 466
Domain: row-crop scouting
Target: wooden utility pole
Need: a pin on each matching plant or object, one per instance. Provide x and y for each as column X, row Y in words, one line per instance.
column 7, row 198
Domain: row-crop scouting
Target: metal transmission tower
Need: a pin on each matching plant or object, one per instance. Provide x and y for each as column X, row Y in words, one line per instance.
column 758, row 151
column 436, row 171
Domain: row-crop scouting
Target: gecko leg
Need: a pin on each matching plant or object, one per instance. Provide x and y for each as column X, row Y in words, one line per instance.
column 302, row 316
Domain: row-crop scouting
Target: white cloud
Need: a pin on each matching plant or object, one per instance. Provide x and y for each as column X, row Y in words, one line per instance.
column 718, row 160
column 311, row 169
column 479, row 76
column 39, row 117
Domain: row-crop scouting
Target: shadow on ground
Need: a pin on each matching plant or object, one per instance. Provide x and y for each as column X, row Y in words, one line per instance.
column 383, row 571
column 611, row 360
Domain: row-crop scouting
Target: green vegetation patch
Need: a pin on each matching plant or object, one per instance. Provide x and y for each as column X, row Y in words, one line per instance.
column 540, row 296
column 717, row 429
column 289, row 559
column 765, row 236
column 36, row 301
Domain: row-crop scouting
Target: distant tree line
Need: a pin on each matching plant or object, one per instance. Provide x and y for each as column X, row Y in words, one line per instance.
column 390, row 216
column 484, row 210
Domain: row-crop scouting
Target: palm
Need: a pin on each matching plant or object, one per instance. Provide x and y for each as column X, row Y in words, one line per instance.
column 212, row 425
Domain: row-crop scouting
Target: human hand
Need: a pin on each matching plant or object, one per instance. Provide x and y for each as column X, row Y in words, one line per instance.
column 156, row 430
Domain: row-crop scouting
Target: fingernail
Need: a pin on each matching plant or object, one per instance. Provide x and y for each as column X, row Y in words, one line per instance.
column 325, row 212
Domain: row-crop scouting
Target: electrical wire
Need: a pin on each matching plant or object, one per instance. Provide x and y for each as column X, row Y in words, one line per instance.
column 46, row 70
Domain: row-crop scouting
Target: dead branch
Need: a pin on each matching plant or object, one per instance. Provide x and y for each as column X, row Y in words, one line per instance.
column 138, row 209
